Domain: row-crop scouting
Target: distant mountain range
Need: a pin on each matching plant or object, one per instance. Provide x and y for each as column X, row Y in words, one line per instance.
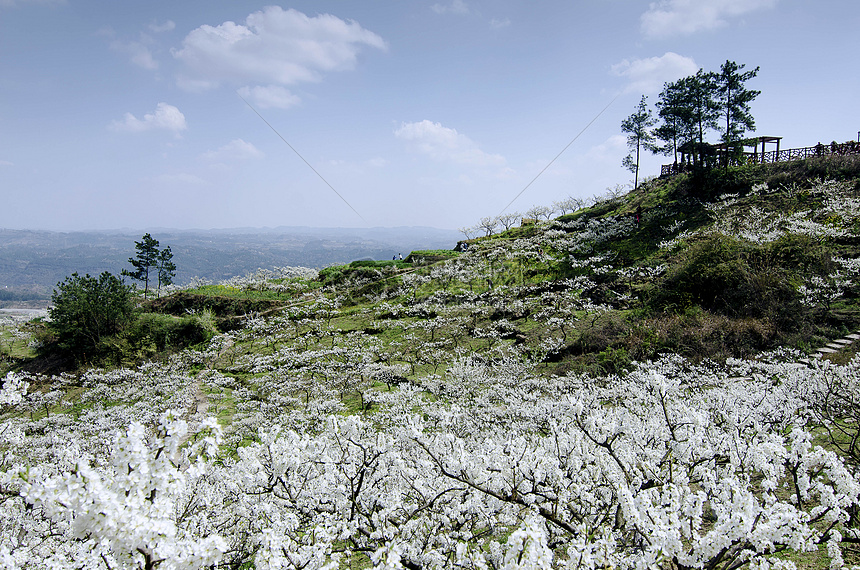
column 35, row 261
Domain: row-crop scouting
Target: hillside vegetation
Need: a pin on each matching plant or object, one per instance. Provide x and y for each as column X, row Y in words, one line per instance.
column 628, row 385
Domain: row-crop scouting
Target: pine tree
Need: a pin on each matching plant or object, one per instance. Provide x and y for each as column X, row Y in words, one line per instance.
column 675, row 116
column 639, row 136
column 166, row 268
column 689, row 109
column 150, row 262
column 734, row 102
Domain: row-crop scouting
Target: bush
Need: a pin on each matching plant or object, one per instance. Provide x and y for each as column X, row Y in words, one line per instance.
column 167, row 332
column 332, row 275
column 88, row 310
column 735, row 278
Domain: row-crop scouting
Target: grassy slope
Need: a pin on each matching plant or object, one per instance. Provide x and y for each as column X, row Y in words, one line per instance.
column 703, row 296
column 651, row 299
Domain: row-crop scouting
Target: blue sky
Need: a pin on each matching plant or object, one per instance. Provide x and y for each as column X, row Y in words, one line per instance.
column 130, row 114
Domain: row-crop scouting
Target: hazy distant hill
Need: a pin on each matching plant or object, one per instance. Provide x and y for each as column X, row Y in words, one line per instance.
column 37, row 260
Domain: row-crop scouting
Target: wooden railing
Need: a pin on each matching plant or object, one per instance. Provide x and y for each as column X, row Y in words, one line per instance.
column 786, row 155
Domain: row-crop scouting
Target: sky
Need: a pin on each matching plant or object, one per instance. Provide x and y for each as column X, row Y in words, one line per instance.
column 206, row 114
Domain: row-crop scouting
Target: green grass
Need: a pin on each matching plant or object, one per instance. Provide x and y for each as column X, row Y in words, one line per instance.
column 236, row 293
column 417, row 254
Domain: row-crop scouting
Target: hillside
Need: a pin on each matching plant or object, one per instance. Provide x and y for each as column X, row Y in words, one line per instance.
column 630, row 385
column 676, row 266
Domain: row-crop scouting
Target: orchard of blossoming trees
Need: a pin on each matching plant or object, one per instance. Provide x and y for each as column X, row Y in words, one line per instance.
column 490, row 411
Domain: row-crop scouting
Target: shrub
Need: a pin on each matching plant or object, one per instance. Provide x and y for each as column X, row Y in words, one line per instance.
column 168, row 332
column 803, row 253
column 332, row 275
column 734, row 278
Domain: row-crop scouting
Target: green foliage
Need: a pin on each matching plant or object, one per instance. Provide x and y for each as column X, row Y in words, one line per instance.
column 802, row 253
column 151, row 260
column 732, row 277
column 708, row 183
column 226, row 306
column 371, row 263
column 638, row 127
column 429, row 256
column 166, row 268
column 693, row 105
column 94, row 320
column 333, row 275
column 839, row 167
column 434, row 253
column 734, row 99
column 237, row 293
column 361, row 272
column 86, row 311
column 165, row 332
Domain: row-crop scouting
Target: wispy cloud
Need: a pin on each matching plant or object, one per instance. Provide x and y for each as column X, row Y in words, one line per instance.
column 647, row 76
column 139, row 53
column 165, row 117
column 683, row 17
column 446, row 144
column 157, row 28
column 498, row 24
column 236, row 149
column 270, row 96
column 273, row 47
column 609, row 149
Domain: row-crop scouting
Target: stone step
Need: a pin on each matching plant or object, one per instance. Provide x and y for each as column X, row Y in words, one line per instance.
column 843, row 341
column 826, row 350
column 834, row 346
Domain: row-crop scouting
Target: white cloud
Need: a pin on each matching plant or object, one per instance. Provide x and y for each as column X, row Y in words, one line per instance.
column 6, row 163
column 610, row 149
column 165, row 117
column 269, row 97
column 497, row 24
column 647, row 76
column 236, row 149
column 138, row 53
column 446, row 144
column 683, row 17
column 455, row 7
column 274, row 46
column 167, row 26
